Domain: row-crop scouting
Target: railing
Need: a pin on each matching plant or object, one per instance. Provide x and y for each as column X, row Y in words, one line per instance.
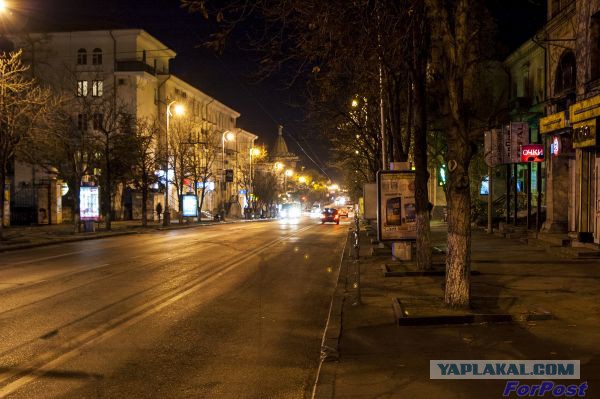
column 134, row 66
column 356, row 284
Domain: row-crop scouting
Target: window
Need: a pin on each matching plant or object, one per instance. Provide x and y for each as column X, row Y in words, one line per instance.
column 97, row 88
column 97, row 56
column 81, row 57
column 82, row 122
column 565, row 73
column 97, row 121
column 82, row 88
column 595, row 47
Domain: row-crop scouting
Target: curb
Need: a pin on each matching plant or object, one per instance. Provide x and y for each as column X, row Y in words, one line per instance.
column 325, row 379
column 402, row 317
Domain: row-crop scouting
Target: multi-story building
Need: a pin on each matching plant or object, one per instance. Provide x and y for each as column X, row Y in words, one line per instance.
column 526, row 99
column 128, row 69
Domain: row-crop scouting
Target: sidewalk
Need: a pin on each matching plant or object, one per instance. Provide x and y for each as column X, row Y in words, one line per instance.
column 379, row 359
column 23, row 237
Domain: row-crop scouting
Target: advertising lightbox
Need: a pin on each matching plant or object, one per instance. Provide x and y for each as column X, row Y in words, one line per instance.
column 396, row 214
column 89, row 203
column 190, row 206
column 532, row 153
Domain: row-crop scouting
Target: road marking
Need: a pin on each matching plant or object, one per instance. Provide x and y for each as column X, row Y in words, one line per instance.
column 75, row 346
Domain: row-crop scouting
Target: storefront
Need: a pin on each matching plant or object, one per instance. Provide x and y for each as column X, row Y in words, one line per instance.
column 586, row 175
column 557, row 135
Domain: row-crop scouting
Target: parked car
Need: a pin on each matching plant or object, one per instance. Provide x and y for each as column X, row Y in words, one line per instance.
column 330, row 215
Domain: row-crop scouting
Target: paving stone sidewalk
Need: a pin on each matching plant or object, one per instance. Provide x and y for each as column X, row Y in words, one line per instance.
column 379, row 359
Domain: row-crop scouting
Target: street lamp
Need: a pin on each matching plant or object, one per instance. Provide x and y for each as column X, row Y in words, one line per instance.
column 354, row 103
column 302, row 179
column 3, row 6
column 178, row 111
column 254, row 152
column 226, row 136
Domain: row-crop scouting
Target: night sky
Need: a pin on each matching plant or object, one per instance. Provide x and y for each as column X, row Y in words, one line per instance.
column 263, row 105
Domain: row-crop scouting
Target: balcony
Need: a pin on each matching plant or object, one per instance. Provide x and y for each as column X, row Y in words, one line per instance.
column 134, row 66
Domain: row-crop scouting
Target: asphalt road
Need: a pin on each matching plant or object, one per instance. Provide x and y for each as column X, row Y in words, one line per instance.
column 228, row 311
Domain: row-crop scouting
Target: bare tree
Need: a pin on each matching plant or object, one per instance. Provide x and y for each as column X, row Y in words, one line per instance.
column 206, row 147
column 458, row 27
column 144, row 157
column 180, row 154
column 22, row 105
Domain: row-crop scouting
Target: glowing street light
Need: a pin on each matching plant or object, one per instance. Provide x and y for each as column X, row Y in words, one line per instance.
column 3, row 6
column 278, row 166
column 289, row 173
column 179, row 110
column 302, row 179
column 354, row 103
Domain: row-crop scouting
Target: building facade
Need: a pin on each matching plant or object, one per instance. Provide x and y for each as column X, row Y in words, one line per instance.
column 128, row 69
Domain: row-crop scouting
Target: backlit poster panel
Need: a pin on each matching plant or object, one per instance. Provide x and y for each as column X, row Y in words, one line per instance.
column 396, row 214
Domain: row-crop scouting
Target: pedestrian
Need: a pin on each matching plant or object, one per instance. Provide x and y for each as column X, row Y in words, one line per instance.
column 159, row 210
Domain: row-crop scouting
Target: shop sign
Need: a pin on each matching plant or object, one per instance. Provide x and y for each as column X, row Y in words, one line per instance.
column 190, row 205
column 396, row 214
column 493, row 147
column 553, row 122
column 561, row 144
column 584, row 110
column 519, row 136
column 505, row 145
column 584, row 134
column 89, row 203
column 532, row 153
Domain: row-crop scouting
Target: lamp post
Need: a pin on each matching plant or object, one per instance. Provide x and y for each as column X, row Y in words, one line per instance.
column 254, row 152
column 179, row 110
column 226, row 136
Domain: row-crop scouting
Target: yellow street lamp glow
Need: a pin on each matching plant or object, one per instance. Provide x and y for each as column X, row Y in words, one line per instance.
column 334, row 187
column 354, row 103
column 255, row 152
column 356, row 151
column 229, row 136
column 179, row 108
column 278, row 165
column 302, row 179
column 289, row 173
column 3, row 6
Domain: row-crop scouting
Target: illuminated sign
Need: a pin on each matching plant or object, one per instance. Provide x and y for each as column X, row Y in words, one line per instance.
column 396, row 216
column 555, row 146
column 584, row 134
column 586, row 109
column 190, row 206
column 532, row 153
column 553, row 122
column 89, row 203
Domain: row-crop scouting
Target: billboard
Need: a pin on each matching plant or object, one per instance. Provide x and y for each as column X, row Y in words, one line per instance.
column 532, row 153
column 89, row 203
column 190, row 205
column 396, row 214
column 493, row 147
column 519, row 136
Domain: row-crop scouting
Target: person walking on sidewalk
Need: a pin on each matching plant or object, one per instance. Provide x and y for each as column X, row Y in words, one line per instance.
column 159, row 210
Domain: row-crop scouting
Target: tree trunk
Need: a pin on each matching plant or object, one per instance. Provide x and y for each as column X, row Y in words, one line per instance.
column 458, row 260
column 201, row 201
column 420, row 47
column 422, row 205
column 76, row 207
column 2, row 199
